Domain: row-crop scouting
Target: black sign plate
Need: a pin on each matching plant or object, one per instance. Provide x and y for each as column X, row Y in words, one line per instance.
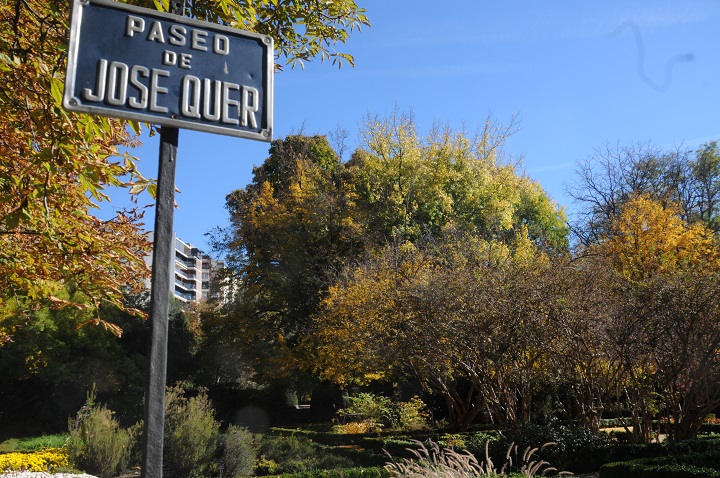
column 140, row 64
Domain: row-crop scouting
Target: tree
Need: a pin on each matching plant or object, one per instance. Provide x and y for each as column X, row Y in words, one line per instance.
column 290, row 228
column 409, row 185
column 52, row 362
column 302, row 30
column 467, row 318
column 705, row 173
column 612, row 175
column 220, row 360
column 55, row 165
column 307, row 215
column 664, row 328
column 583, row 374
column 53, row 170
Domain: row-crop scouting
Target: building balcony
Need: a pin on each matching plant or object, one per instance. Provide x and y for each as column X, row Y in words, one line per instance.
column 185, row 285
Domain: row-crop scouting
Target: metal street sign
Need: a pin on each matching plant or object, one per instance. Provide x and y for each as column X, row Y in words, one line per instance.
column 140, row 64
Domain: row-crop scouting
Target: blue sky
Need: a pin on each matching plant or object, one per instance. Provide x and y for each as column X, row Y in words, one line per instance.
column 577, row 75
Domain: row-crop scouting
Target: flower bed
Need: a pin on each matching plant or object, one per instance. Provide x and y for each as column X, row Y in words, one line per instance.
column 44, row 460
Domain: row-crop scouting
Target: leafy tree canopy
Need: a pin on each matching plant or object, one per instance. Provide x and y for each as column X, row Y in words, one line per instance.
column 409, row 185
column 55, row 166
column 647, row 239
column 614, row 174
column 664, row 328
column 307, row 216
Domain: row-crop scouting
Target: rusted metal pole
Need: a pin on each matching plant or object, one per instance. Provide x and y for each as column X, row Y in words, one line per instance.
column 161, row 283
column 162, row 269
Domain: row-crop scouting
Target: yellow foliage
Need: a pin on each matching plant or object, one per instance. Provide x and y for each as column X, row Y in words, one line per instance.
column 54, row 168
column 648, row 238
column 358, row 428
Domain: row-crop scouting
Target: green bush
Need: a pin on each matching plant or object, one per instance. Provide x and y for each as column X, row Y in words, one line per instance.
column 10, row 445
column 699, row 445
column 239, row 452
column 659, row 467
column 292, row 454
column 369, row 413
column 410, row 415
column 191, row 434
column 374, row 472
column 368, row 408
column 97, row 443
column 575, row 447
column 475, row 442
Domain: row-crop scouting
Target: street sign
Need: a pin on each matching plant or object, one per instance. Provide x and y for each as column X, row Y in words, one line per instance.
column 140, row 64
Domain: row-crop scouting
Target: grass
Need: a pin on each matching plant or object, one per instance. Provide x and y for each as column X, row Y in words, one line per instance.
column 34, row 443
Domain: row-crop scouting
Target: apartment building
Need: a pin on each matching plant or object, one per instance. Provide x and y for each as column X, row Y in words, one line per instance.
column 192, row 272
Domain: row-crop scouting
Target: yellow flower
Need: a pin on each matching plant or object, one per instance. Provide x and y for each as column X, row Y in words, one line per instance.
column 43, row 460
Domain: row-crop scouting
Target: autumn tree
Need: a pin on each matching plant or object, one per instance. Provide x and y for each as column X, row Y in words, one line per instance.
column 664, row 327
column 469, row 319
column 406, row 309
column 583, row 374
column 307, row 215
column 613, row 174
column 290, row 228
column 55, row 166
column 409, row 185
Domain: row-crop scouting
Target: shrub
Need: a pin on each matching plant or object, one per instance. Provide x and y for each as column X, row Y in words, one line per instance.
column 191, row 434
column 373, row 472
column 34, row 443
column 396, row 446
column 369, row 413
column 576, row 447
column 358, row 427
column 48, row 460
column 10, row 445
column 410, row 415
column 97, row 443
column 292, row 454
column 456, row 441
column 476, row 442
column 239, row 452
column 659, row 467
column 372, row 409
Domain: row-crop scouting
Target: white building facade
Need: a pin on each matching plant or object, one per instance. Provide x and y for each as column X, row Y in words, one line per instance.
column 192, row 271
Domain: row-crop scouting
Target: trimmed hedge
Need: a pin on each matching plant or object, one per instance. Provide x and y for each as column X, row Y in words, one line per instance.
column 673, row 466
column 375, row 472
column 710, row 428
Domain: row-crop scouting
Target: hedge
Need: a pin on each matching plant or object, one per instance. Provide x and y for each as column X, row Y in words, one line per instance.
column 375, row 472
column 673, row 466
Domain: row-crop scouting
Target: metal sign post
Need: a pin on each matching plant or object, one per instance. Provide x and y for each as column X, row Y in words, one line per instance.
column 162, row 268
column 139, row 64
